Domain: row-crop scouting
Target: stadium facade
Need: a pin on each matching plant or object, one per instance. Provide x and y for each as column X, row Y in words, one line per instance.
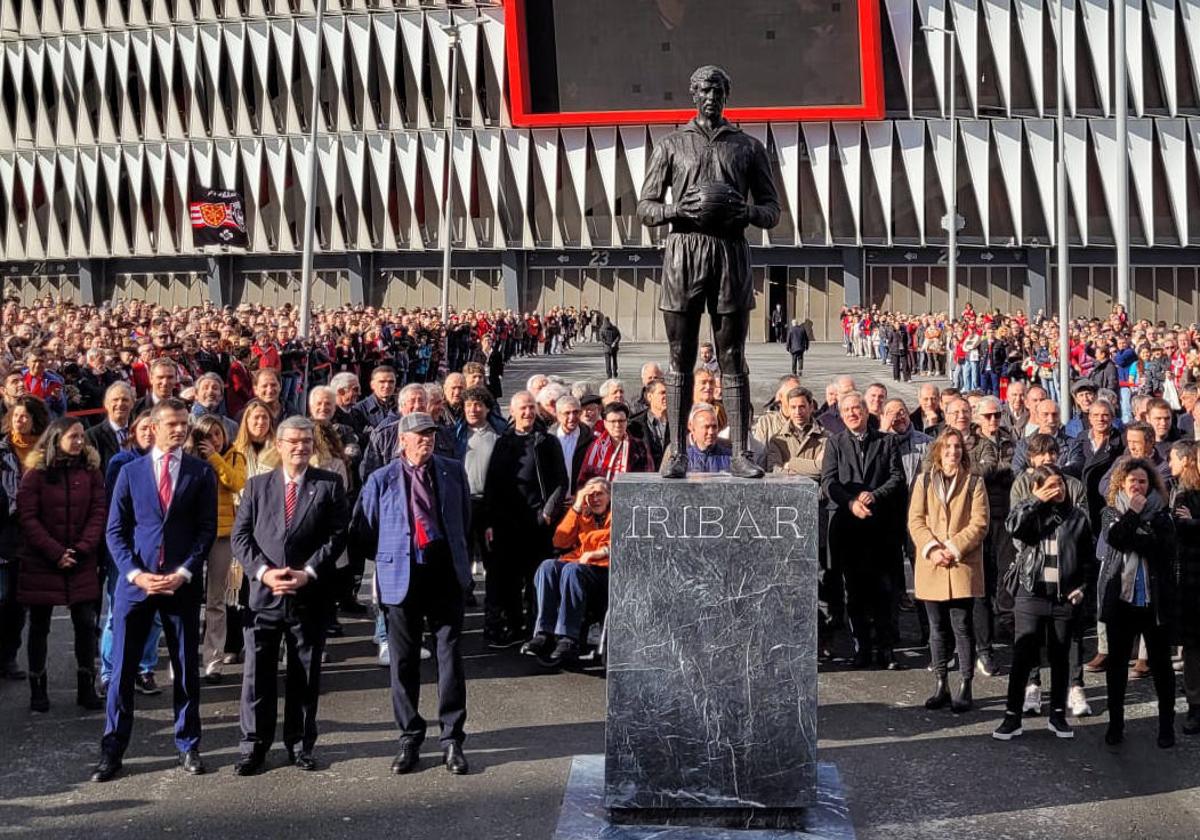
column 111, row 109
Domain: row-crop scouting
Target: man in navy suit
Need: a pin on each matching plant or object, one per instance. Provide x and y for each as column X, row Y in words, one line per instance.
column 290, row 532
column 412, row 516
column 161, row 525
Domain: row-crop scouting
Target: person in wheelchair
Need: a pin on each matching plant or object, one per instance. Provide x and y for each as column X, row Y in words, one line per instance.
column 566, row 584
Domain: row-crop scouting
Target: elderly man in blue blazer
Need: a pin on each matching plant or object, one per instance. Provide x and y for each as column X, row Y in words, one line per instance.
column 412, row 517
column 161, row 525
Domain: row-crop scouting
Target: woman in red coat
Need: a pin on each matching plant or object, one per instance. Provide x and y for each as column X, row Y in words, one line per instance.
column 61, row 506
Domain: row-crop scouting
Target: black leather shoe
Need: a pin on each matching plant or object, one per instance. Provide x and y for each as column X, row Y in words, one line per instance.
column 250, row 764
column 740, row 466
column 674, row 465
column 407, row 758
column 191, row 763
column 305, row 761
column 106, row 768
column 941, row 695
column 456, row 762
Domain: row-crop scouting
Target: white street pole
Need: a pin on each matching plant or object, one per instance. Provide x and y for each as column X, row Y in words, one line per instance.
column 310, row 210
column 451, row 118
column 952, row 234
column 951, row 220
column 1121, row 107
column 1060, row 225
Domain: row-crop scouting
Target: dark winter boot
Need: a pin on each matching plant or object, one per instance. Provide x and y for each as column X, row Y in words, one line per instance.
column 679, row 404
column 962, row 701
column 735, row 393
column 39, row 699
column 941, row 694
column 85, row 691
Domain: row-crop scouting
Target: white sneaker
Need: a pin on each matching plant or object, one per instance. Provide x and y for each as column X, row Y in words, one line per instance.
column 1033, row 700
column 425, row 654
column 1077, row 702
column 385, row 656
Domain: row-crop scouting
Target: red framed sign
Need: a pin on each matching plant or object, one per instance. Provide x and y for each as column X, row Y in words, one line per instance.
column 607, row 62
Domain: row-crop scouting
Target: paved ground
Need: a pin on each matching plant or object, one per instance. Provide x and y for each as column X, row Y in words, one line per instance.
column 910, row 773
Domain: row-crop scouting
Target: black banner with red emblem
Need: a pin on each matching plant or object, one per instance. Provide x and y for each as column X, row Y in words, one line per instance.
column 218, row 217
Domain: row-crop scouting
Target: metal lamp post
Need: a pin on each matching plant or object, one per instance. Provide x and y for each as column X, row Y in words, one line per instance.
column 453, row 32
column 950, row 223
column 310, row 210
column 1060, row 223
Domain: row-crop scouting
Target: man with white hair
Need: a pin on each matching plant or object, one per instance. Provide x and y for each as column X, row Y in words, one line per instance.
column 612, row 390
column 525, row 486
column 547, row 400
column 832, row 420
column 347, row 389
column 706, row 452
column 110, row 434
column 536, row 383
column 572, row 435
column 651, row 372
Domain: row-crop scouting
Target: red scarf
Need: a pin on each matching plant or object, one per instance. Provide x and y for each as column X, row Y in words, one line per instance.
column 606, row 458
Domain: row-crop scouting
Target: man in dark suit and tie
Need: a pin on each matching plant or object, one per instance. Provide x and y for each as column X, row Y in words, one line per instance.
column 863, row 478
column 161, row 525
column 290, row 531
column 108, row 436
column 412, row 516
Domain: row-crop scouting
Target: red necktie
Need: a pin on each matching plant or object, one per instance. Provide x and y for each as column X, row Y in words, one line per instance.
column 164, row 482
column 289, row 503
column 164, row 498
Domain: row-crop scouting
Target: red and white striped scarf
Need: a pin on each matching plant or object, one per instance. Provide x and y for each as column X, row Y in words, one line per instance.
column 606, row 457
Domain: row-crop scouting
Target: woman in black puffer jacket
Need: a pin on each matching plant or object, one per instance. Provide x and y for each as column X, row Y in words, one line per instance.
column 1054, row 553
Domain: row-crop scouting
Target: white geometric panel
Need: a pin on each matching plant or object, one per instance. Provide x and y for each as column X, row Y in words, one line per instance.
column 998, row 15
column 976, row 144
column 787, row 144
column 517, row 148
column 1162, row 29
column 1075, row 141
column 816, row 138
column 911, row 135
column 1032, row 29
column 1007, row 134
column 900, row 18
column 944, row 146
column 545, row 149
column 604, row 141
column 849, row 146
column 966, row 30
column 933, row 13
column 1172, row 143
column 574, row 141
column 489, row 143
column 1141, row 165
column 1133, row 53
column 879, row 145
column 1040, row 136
column 1096, row 33
column 1104, row 141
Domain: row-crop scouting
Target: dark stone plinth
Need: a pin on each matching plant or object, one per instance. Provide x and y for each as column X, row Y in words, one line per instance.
column 712, row 651
column 584, row 817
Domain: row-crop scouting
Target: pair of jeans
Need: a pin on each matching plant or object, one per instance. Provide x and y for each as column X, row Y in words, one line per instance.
column 83, row 617
column 1036, row 618
column 149, row 652
column 946, row 619
column 564, row 591
column 1123, row 627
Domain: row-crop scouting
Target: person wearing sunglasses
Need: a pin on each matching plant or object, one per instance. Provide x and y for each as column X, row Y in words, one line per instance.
column 992, row 447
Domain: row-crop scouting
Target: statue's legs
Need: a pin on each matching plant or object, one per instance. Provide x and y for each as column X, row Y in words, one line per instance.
column 683, row 341
column 729, row 333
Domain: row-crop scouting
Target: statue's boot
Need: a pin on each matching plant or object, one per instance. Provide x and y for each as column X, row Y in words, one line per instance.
column 679, row 403
column 735, row 393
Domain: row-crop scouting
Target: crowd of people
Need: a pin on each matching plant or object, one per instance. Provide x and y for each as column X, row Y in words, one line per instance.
column 233, row 482
column 984, row 350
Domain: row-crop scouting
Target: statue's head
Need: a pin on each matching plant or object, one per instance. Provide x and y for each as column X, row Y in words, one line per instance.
column 710, row 90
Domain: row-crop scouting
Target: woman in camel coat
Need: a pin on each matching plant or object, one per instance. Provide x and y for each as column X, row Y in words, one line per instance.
column 947, row 520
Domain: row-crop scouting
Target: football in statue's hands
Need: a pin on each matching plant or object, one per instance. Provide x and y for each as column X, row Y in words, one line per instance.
column 714, row 205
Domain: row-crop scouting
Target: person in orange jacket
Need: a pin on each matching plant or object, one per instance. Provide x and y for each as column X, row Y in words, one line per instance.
column 566, row 584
